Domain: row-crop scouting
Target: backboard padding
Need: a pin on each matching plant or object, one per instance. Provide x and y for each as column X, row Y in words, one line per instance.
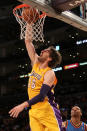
column 66, row 16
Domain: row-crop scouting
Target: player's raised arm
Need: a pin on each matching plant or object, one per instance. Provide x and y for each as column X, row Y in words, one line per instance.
column 29, row 45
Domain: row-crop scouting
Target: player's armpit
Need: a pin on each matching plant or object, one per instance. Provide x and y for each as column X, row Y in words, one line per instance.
column 49, row 78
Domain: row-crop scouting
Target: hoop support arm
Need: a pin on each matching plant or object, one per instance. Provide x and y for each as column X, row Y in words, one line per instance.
column 66, row 16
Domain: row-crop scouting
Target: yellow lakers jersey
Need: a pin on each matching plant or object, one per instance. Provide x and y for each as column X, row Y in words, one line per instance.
column 35, row 81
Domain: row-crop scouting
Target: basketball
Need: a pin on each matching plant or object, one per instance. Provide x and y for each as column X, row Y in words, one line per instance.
column 30, row 15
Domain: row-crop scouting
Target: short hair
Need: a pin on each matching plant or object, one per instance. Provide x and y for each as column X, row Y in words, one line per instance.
column 56, row 57
column 77, row 106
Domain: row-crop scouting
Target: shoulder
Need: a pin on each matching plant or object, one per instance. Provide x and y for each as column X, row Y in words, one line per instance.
column 65, row 123
column 49, row 77
column 85, row 126
column 50, row 74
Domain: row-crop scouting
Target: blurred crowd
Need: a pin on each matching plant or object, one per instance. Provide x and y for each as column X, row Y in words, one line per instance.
column 68, row 101
column 9, row 124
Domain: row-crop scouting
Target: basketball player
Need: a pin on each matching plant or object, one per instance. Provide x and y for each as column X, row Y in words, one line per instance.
column 75, row 123
column 44, row 115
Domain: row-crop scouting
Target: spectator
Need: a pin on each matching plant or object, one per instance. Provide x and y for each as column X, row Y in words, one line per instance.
column 75, row 123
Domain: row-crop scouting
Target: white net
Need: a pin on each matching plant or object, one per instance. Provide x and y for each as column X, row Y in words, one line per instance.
column 36, row 22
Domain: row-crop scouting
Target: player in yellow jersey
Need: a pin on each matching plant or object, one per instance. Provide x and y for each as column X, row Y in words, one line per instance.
column 44, row 115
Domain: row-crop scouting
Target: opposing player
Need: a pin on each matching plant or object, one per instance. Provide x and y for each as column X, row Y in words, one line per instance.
column 75, row 123
column 44, row 115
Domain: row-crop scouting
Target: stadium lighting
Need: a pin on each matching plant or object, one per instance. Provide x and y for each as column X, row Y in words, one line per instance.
column 57, row 69
column 84, row 63
column 57, row 47
column 71, row 66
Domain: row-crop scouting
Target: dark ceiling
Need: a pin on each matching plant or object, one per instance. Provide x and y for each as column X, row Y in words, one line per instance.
column 13, row 54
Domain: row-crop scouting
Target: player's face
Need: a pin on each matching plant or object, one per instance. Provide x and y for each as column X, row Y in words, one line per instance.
column 76, row 111
column 44, row 55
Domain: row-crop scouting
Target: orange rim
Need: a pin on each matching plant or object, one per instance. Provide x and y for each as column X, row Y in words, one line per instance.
column 25, row 5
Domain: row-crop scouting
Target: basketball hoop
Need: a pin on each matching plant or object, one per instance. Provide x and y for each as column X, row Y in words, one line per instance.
column 36, row 21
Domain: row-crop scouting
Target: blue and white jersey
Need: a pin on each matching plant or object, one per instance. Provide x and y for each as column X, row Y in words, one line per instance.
column 71, row 127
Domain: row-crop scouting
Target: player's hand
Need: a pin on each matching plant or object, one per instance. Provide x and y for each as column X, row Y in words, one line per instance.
column 14, row 112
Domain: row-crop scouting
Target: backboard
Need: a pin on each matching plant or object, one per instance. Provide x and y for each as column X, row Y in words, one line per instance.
column 66, row 16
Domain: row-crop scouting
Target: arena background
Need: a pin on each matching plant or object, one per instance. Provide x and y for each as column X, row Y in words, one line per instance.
column 15, row 65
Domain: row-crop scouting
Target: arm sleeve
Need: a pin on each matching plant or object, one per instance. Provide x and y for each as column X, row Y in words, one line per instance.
column 40, row 97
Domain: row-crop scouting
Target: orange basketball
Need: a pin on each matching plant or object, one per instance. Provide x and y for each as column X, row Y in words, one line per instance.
column 30, row 15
